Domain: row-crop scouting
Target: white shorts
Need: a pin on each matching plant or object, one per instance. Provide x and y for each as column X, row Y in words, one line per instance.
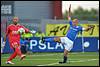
column 68, row 44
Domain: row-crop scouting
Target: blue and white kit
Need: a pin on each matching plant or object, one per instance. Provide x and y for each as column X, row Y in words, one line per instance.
column 71, row 35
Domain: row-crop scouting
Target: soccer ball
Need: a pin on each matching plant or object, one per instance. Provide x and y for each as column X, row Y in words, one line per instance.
column 21, row 30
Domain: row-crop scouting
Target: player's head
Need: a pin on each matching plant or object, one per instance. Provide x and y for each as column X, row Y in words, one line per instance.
column 75, row 22
column 15, row 19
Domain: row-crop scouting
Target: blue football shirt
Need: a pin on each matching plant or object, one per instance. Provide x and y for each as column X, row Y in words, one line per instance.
column 73, row 31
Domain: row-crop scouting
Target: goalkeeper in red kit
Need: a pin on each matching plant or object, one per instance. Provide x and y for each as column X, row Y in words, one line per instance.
column 14, row 39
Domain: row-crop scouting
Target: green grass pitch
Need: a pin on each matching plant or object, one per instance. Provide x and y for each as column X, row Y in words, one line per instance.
column 52, row 59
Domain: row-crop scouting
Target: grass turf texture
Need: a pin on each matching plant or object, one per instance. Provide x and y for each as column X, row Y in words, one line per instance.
column 52, row 59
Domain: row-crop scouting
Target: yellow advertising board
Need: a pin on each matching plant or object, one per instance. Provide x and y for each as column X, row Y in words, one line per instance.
column 61, row 30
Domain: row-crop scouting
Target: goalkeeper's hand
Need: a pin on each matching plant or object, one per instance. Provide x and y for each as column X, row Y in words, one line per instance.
column 33, row 31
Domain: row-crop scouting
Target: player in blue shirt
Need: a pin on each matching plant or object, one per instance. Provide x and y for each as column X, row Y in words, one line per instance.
column 71, row 35
column 73, row 30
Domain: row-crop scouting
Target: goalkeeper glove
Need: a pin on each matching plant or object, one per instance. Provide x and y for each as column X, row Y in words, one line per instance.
column 33, row 31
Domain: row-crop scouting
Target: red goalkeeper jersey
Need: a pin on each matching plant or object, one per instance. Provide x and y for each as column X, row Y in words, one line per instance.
column 12, row 32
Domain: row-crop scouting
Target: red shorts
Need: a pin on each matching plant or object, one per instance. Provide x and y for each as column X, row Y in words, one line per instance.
column 14, row 43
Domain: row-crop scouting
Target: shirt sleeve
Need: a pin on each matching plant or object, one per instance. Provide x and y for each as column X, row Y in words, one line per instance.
column 26, row 29
column 80, row 28
column 70, row 22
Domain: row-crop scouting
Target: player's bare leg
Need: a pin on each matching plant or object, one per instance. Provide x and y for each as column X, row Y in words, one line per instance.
column 57, row 39
column 65, row 57
column 65, row 51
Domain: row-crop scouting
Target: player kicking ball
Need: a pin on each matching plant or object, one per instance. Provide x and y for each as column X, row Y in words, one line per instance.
column 13, row 32
column 69, row 38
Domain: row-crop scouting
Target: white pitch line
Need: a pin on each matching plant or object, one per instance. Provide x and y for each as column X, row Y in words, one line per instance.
column 48, row 64
column 85, row 60
column 70, row 61
column 60, row 54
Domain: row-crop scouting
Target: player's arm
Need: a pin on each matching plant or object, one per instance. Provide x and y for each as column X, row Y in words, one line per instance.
column 26, row 29
column 5, row 36
column 69, row 16
column 88, row 28
column 29, row 31
column 4, row 42
column 69, row 13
